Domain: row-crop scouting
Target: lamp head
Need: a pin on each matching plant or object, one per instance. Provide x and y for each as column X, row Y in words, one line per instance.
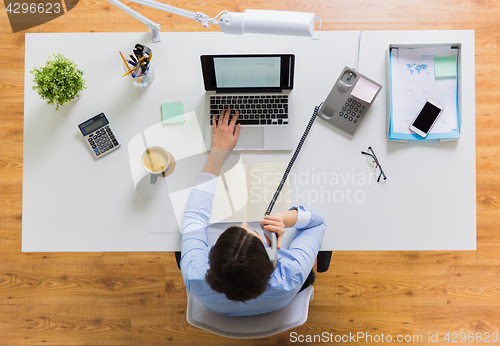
column 268, row 22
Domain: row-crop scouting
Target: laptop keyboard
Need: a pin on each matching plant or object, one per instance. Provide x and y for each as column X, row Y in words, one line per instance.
column 254, row 110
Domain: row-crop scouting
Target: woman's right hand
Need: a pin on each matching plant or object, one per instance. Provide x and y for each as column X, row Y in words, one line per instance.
column 274, row 223
column 225, row 132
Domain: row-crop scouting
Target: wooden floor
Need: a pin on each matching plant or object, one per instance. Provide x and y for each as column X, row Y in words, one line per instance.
column 139, row 298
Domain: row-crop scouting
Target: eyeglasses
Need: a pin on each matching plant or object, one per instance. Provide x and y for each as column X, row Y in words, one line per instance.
column 375, row 161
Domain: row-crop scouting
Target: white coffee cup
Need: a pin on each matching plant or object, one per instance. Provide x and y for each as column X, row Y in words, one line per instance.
column 155, row 161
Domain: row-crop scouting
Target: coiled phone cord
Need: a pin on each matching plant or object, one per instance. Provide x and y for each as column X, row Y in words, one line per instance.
column 292, row 160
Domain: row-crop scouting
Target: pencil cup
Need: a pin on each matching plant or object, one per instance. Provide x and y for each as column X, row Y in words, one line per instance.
column 142, row 80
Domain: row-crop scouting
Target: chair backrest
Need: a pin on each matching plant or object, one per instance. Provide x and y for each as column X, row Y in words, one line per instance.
column 251, row 327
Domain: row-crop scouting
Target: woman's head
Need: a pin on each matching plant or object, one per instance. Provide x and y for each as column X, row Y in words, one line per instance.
column 239, row 264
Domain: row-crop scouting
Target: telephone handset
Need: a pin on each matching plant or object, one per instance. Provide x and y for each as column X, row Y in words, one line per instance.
column 273, row 251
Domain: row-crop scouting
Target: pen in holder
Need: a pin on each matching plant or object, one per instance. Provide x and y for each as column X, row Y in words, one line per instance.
column 138, row 66
column 141, row 80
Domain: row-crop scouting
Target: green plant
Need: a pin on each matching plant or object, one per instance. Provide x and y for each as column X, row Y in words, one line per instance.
column 59, row 81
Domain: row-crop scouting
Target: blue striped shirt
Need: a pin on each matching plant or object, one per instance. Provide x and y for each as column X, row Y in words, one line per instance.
column 294, row 263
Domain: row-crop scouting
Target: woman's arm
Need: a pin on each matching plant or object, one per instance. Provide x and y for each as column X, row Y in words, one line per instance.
column 200, row 201
column 305, row 245
column 224, row 137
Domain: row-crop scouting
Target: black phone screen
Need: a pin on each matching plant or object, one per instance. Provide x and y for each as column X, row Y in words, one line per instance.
column 426, row 118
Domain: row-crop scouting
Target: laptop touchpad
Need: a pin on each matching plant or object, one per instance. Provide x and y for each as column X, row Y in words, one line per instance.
column 250, row 138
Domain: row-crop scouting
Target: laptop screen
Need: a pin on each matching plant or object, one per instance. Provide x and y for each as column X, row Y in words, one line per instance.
column 257, row 72
column 247, row 73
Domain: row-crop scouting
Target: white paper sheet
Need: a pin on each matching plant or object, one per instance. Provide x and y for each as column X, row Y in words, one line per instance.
column 245, row 191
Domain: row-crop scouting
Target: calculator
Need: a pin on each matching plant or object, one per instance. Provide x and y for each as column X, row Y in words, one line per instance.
column 349, row 100
column 99, row 135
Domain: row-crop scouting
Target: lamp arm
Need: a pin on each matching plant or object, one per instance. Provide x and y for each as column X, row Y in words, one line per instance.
column 166, row 8
column 149, row 23
column 200, row 17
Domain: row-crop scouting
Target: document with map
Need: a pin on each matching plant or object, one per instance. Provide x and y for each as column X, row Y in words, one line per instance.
column 413, row 82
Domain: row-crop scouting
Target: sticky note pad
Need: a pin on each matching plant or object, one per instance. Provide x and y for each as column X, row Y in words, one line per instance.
column 172, row 112
column 445, row 67
column 365, row 90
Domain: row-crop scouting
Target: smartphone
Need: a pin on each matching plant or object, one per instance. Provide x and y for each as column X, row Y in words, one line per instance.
column 426, row 118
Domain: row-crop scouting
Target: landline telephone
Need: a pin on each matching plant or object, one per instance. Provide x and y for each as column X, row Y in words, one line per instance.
column 345, row 107
column 349, row 100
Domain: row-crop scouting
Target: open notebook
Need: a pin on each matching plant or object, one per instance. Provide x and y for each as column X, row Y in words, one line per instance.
column 244, row 192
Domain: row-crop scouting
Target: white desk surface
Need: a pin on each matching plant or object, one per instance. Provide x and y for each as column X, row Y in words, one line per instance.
column 72, row 202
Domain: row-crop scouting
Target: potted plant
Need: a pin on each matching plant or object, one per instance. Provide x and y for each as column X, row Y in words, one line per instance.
column 59, row 81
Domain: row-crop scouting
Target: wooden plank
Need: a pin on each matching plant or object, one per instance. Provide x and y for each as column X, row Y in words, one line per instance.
column 74, row 283
column 26, row 324
column 473, row 285
column 374, row 285
column 457, row 322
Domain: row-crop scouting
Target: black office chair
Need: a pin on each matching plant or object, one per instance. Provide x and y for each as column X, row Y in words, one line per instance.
column 323, row 260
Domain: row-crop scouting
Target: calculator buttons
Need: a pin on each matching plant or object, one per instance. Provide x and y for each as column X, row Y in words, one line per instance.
column 103, row 141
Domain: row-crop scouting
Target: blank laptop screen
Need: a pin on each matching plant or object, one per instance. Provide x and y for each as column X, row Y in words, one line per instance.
column 248, row 72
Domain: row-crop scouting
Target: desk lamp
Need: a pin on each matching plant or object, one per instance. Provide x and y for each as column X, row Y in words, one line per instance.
column 251, row 21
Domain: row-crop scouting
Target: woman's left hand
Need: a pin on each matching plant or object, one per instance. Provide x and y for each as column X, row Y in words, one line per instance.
column 274, row 223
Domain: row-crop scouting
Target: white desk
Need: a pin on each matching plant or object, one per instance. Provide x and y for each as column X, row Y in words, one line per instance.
column 73, row 203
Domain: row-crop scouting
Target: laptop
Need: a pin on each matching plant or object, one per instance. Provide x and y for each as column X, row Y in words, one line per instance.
column 258, row 86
